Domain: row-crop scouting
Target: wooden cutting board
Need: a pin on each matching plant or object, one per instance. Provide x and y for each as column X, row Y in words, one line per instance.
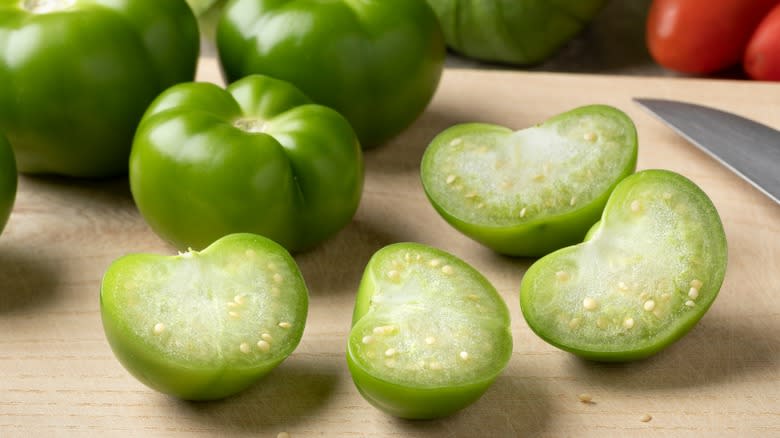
column 58, row 375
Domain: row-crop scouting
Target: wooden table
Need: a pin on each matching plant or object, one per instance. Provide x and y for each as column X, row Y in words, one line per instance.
column 58, row 375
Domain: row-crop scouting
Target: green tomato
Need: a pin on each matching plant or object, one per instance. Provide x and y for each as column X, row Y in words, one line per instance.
column 533, row 191
column 377, row 62
column 429, row 333
column 7, row 181
column 257, row 157
column 205, row 325
column 650, row 270
column 77, row 75
column 512, row 31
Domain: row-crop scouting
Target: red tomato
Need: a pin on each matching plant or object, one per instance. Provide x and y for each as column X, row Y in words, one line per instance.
column 762, row 58
column 702, row 36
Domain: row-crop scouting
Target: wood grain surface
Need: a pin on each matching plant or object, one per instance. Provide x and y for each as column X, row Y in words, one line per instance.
column 59, row 377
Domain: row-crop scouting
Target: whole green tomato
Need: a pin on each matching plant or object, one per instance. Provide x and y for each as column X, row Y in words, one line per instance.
column 512, row 31
column 7, row 181
column 77, row 76
column 258, row 157
column 377, row 62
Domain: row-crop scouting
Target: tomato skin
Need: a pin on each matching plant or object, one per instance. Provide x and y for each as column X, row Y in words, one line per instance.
column 520, row 32
column 77, row 75
column 702, row 36
column 376, row 62
column 8, row 180
column 762, row 57
column 310, row 176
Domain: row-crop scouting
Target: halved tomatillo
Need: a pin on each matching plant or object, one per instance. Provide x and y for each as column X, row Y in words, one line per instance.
column 533, row 191
column 205, row 325
column 650, row 270
column 429, row 333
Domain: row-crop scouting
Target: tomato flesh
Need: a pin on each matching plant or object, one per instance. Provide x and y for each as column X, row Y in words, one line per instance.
column 429, row 334
column 205, row 325
column 533, row 191
column 649, row 271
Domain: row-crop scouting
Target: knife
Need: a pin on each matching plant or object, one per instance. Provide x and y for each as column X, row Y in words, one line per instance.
column 748, row 148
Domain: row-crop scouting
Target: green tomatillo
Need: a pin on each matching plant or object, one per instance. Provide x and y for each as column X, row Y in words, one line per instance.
column 377, row 62
column 512, row 31
column 258, row 157
column 204, row 325
column 647, row 272
column 77, row 75
column 7, row 181
column 429, row 333
column 532, row 191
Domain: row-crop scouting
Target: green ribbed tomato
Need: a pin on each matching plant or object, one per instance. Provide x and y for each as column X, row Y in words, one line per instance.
column 256, row 157
column 512, row 31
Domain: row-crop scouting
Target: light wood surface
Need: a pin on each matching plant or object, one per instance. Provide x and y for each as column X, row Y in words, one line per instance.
column 59, row 377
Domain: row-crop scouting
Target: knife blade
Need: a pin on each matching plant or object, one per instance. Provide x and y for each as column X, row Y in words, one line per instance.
column 749, row 148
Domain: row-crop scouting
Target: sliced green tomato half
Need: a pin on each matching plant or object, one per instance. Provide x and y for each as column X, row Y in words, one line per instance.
column 530, row 192
column 650, row 270
column 429, row 335
column 205, row 325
